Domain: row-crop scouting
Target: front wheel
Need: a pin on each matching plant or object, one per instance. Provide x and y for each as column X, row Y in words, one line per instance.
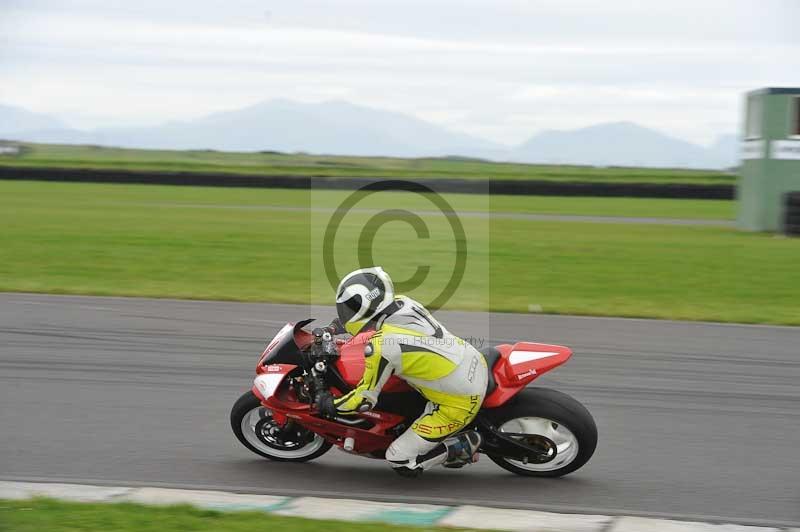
column 254, row 427
column 550, row 419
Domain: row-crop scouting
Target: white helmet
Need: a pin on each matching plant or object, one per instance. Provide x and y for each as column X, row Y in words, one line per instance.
column 361, row 295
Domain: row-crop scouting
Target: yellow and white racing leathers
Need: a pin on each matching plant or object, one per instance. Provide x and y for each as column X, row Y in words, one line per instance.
column 446, row 370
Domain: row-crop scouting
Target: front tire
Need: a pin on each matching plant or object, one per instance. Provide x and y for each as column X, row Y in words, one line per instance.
column 253, row 426
column 554, row 416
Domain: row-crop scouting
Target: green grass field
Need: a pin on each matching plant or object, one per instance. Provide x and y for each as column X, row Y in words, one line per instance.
column 231, row 244
column 61, row 156
column 39, row 515
column 254, row 199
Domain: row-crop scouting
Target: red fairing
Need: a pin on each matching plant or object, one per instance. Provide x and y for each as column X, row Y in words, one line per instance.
column 285, row 406
column 521, row 363
column 269, row 378
column 351, row 363
column 351, row 357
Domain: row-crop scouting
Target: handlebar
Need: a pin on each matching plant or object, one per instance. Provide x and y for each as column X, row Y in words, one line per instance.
column 323, row 345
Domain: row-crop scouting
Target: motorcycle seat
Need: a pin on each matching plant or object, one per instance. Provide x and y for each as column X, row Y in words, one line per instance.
column 491, row 355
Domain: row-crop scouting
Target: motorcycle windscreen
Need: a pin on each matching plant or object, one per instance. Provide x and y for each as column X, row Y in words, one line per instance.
column 285, row 348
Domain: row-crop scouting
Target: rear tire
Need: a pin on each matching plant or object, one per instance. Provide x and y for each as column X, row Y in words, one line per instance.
column 566, row 416
column 247, row 408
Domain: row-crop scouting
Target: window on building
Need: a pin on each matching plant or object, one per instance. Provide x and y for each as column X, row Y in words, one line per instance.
column 794, row 125
column 753, row 121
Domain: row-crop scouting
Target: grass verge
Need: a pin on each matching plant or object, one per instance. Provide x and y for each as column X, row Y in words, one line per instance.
column 165, row 196
column 140, row 241
column 37, row 515
column 269, row 163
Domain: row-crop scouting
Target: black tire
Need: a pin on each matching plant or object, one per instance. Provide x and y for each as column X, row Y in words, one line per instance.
column 558, row 407
column 246, row 403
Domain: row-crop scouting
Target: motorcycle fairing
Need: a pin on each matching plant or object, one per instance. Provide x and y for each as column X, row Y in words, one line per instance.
column 370, row 430
column 269, row 379
column 519, row 365
column 351, row 364
column 527, row 360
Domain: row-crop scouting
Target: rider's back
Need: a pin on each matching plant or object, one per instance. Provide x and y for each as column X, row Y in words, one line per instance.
column 443, row 367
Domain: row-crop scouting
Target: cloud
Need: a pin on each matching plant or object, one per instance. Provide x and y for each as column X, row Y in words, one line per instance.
column 504, row 69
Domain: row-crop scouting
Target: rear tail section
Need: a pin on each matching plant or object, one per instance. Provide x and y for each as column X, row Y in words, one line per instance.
column 521, row 363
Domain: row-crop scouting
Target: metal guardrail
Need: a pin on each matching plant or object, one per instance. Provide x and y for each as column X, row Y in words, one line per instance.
column 464, row 186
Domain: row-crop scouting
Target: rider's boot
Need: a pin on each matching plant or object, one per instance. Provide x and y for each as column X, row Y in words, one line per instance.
column 456, row 451
column 464, row 450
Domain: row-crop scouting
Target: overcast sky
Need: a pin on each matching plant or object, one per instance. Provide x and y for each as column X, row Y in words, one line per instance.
column 498, row 69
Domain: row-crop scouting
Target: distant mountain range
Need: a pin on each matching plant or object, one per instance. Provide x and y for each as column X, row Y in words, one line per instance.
column 342, row 128
column 16, row 120
column 624, row 143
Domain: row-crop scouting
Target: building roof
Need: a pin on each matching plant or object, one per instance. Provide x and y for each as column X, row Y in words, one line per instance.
column 775, row 90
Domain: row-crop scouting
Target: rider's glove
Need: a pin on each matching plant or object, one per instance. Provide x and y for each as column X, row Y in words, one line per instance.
column 325, row 405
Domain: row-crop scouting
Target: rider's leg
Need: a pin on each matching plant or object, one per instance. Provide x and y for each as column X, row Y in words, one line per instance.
column 430, row 441
column 402, row 454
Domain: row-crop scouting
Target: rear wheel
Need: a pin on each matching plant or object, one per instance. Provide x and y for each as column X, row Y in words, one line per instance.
column 254, row 427
column 548, row 420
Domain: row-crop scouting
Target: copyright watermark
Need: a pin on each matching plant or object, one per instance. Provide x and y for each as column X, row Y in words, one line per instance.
column 412, row 231
column 431, row 342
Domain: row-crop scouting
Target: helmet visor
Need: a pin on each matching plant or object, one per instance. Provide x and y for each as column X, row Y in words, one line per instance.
column 348, row 309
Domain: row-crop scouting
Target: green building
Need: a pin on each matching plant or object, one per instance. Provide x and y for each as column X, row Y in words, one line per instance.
column 770, row 157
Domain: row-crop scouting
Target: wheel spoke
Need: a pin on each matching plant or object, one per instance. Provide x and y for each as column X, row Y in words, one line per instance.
column 531, row 428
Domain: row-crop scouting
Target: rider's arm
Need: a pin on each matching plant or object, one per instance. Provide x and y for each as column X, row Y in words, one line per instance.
column 377, row 370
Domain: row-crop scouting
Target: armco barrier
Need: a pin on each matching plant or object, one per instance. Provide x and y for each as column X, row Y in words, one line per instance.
column 464, row 186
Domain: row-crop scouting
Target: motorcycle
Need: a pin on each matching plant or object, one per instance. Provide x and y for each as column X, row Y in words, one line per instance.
column 529, row 431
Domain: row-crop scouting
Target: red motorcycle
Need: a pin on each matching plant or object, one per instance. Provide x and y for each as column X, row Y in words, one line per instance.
column 529, row 431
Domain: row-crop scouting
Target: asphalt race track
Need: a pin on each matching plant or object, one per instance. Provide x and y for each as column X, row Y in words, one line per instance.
column 697, row 421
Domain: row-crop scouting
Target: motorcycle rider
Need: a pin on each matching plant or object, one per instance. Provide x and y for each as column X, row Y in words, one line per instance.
column 411, row 344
